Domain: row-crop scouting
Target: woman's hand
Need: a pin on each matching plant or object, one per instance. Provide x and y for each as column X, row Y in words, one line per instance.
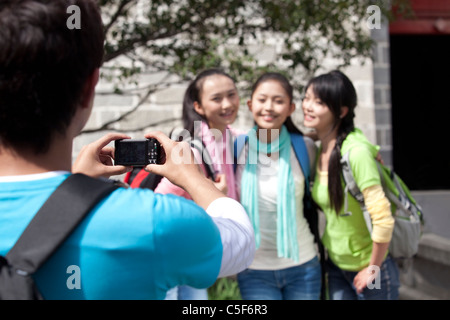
column 221, row 183
column 365, row 276
column 370, row 273
column 379, row 158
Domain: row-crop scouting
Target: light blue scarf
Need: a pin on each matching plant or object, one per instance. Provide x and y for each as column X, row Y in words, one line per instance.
column 287, row 245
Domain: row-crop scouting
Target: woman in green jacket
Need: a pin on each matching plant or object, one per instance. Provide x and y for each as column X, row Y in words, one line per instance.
column 359, row 265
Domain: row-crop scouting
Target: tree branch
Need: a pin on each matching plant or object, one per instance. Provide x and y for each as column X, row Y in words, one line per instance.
column 140, row 41
column 152, row 89
column 116, row 15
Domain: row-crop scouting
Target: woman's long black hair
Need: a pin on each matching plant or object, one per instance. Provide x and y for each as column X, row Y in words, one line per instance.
column 336, row 90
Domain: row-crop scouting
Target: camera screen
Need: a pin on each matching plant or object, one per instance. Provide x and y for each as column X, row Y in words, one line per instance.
column 131, row 153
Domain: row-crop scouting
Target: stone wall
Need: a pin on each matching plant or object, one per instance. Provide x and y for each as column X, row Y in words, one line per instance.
column 370, row 77
column 382, row 92
column 159, row 110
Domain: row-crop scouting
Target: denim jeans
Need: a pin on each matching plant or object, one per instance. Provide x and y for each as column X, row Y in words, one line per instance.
column 296, row 283
column 340, row 283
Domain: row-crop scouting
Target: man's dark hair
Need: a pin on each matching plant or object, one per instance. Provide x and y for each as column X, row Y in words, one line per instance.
column 44, row 65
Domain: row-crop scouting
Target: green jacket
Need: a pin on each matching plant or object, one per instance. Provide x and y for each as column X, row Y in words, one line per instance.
column 346, row 236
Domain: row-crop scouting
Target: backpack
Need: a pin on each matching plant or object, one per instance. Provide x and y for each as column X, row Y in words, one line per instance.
column 406, row 211
column 49, row 228
column 309, row 206
column 139, row 178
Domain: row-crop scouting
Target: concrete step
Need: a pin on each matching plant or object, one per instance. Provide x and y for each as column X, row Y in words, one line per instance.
column 408, row 293
column 435, row 248
column 427, row 276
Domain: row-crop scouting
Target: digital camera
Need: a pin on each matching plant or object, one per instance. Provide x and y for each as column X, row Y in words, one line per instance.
column 137, row 152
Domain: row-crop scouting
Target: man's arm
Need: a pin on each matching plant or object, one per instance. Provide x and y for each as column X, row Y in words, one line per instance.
column 230, row 217
column 235, row 228
column 237, row 235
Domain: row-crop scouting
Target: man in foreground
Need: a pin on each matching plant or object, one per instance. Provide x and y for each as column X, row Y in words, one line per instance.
column 135, row 244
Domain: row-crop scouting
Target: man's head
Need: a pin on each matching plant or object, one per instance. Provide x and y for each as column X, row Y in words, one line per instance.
column 44, row 66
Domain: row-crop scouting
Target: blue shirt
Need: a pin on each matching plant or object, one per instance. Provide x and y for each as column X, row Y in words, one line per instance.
column 135, row 244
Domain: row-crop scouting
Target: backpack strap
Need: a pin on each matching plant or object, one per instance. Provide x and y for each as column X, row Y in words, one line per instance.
column 139, row 178
column 128, row 177
column 206, row 157
column 352, row 188
column 150, row 181
column 57, row 218
column 181, row 134
column 138, row 175
column 301, row 152
column 239, row 144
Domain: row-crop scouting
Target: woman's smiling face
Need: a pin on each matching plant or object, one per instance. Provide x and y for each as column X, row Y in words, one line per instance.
column 219, row 101
column 316, row 113
column 270, row 105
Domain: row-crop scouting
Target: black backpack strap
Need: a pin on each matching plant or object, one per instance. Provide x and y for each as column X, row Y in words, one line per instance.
column 181, row 134
column 151, row 181
column 57, row 218
column 206, row 157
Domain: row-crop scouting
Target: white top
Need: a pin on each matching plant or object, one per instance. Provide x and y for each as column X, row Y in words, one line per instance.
column 266, row 256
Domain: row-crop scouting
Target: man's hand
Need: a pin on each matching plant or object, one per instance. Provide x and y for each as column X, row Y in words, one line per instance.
column 176, row 161
column 178, row 165
column 96, row 158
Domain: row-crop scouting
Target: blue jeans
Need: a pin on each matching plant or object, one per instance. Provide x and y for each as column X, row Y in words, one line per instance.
column 297, row 283
column 340, row 283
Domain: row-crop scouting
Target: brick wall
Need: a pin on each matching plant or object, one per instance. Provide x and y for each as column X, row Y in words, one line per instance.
column 382, row 92
column 371, row 80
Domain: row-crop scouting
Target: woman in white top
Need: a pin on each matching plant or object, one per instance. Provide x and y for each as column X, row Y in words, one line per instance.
column 271, row 186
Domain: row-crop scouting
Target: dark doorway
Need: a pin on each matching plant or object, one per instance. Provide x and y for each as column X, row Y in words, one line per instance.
column 420, row 86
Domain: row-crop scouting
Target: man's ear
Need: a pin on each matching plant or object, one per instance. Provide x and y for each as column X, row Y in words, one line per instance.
column 198, row 108
column 344, row 111
column 89, row 89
